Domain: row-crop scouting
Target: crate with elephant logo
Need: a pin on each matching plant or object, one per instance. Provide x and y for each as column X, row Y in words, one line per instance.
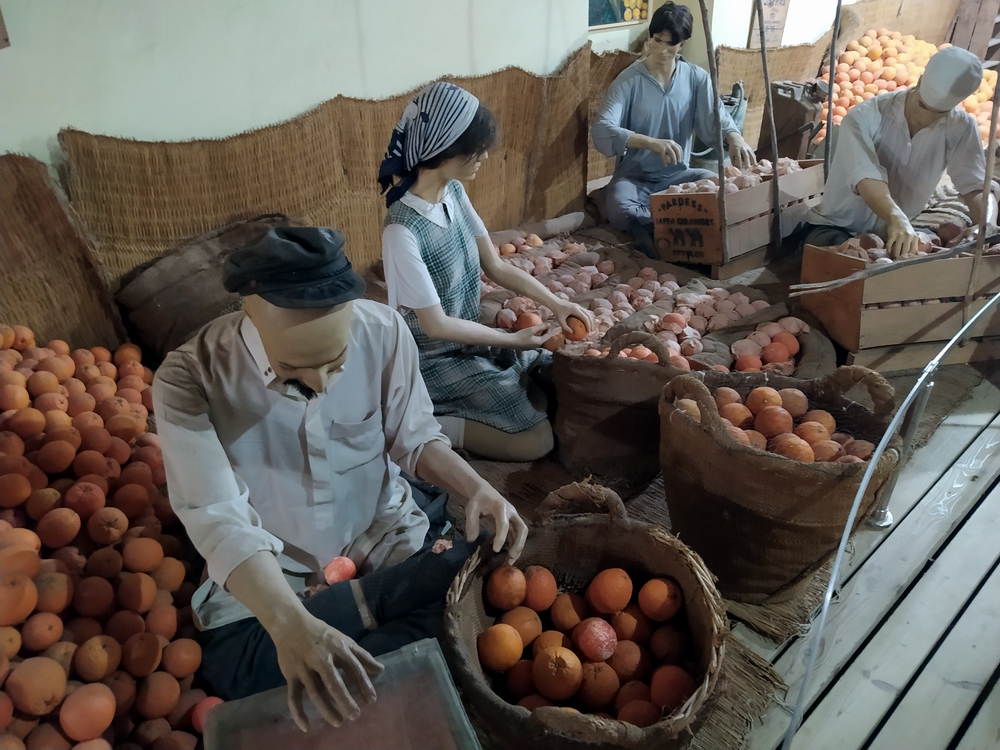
column 687, row 228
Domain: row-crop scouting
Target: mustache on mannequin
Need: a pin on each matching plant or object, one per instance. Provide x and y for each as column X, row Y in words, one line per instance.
column 302, row 388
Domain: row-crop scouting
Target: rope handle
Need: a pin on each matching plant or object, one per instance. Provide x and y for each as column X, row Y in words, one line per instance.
column 839, row 381
column 844, row 378
column 580, row 498
column 648, row 340
column 691, row 387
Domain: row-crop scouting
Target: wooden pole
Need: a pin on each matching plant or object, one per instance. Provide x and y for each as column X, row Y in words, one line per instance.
column 775, row 191
column 713, row 70
column 829, row 97
column 987, row 191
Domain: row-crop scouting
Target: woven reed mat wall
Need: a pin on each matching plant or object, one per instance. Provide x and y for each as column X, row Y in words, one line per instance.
column 603, row 71
column 50, row 280
column 139, row 199
column 783, row 64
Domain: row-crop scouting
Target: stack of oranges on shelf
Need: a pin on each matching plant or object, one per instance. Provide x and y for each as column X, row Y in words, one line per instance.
column 883, row 61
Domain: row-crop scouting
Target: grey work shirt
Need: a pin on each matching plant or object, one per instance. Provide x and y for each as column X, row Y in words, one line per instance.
column 637, row 103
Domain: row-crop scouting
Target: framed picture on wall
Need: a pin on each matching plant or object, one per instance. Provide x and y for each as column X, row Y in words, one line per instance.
column 614, row 12
column 775, row 13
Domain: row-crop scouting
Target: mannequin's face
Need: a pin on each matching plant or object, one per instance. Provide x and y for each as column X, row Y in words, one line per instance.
column 919, row 114
column 307, row 346
column 661, row 47
column 462, row 169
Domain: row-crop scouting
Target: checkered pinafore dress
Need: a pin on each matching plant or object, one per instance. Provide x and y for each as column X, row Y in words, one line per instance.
column 486, row 385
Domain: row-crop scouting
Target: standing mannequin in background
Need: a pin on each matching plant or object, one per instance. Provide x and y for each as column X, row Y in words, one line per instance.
column 646, row 122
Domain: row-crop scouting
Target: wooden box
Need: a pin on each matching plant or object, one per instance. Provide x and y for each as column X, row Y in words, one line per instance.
column 852, row 315
column 686, row 225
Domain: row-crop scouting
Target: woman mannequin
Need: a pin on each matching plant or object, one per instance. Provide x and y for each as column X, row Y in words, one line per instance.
column 434, row 248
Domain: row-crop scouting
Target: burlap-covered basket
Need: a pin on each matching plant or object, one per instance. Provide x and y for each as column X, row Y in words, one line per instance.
column 606, row 421
column 762, row 522
column 575, row 548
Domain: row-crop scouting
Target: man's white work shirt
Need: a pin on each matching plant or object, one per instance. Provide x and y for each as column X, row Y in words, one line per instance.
column 874, row 143
column 252, row 465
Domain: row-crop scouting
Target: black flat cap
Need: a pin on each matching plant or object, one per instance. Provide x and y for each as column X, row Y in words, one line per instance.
column 295, row 267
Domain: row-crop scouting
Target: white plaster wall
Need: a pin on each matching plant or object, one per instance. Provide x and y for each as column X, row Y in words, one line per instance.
column 181, row 69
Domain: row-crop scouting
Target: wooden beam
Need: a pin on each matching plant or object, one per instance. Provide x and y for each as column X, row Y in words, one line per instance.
column 984, row 732
column 927, row 465
column 872, row 591
column 952, row 680
column 974, row 26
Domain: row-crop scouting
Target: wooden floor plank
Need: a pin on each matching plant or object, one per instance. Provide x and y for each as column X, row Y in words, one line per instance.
column 867, row 596
column 984, row 732
column 866, row 690
column 925, row 468
column 951, row 682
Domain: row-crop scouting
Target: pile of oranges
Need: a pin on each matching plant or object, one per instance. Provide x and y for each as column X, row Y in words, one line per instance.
column 783, row 423
column 617, row 651
column 883, row 61
column 97, row 644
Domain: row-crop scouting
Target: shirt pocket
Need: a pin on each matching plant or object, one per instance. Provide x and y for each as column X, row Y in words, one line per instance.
column 353, row 445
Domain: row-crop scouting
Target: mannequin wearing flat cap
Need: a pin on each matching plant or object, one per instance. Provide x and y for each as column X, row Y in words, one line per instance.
column 286, row 429
column 890, row 152
column 435, row 247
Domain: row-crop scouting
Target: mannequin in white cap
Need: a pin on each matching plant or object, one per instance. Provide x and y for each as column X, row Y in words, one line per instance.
column 891, row 152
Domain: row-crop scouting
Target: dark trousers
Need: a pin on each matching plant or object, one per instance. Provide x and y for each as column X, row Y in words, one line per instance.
column 822, row 235
column 240, row 659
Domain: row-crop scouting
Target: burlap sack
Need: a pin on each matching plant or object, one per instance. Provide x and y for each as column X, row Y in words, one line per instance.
column 166, row 301
column 575, row 548
column 816, row 356
column 606, row 422
column 764, row 523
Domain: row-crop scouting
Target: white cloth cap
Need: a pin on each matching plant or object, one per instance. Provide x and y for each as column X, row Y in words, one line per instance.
column 949, row 76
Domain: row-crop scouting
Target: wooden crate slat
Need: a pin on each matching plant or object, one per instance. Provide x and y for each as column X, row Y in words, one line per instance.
column 912, row 356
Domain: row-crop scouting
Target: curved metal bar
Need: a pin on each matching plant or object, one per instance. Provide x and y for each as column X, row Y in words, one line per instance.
column 816, row 635
column 775, row 191
column 713, row 70
column 829, row 96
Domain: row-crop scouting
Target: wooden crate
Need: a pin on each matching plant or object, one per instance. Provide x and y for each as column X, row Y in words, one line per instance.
column 686, row 225
column 875, row 334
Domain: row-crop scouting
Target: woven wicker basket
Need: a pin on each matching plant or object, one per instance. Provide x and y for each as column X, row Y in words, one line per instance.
column 765, row 523
column 575, row 548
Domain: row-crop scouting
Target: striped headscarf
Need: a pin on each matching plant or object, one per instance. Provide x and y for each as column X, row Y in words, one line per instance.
column 434, row 120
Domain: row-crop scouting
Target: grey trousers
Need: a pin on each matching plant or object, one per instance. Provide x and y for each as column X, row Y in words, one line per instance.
column 628, row 199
